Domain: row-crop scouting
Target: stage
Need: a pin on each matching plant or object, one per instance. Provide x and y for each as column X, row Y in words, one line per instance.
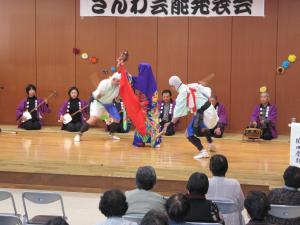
column 48, row 159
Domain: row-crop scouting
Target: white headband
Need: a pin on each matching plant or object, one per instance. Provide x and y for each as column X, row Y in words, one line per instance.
column 116, row 76
column 175, row 81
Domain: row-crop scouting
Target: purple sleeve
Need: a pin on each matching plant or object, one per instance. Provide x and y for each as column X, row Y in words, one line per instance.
column 222, row 115
column 255, row 115
column 20, row 109
column 63, row 109
column 44, row 108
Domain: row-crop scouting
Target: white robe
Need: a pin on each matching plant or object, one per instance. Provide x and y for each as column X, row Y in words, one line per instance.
column 222, row 188
column 107, row 91
column 202, row 95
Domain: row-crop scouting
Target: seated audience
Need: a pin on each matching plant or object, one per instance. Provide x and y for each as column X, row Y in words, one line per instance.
column 29, row 105
column 257, row 206
column 71, row 106
column 202, row 210
column 264, row 116
column 166, row 109
column 124, row 125
column 113, row 205
column 219, row 129
column 142, row 199
column 227, row 189
column 288, row 195
column 154, row 217
column 177, row 207
column 57, row 221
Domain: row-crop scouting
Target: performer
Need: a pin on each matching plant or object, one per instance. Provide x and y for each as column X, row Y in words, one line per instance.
column 146, row 90
column 218, row 130
column 166, row 110
column 101, row 101
column 73, row 105
column 124, row 125
column 264, row 116
column 29, row 104
column 192, row 97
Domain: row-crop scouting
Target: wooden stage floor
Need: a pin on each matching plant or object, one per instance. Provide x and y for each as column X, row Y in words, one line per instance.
column 49, row 157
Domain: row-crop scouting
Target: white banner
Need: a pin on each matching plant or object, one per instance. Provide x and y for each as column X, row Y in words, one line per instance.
column 295, row 145
column 167, row 8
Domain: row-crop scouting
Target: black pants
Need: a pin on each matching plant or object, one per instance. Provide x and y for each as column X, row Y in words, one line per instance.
column 31, row 125
column 72, row 126
column 170, row 133
column 267, row 133
column 119, row 127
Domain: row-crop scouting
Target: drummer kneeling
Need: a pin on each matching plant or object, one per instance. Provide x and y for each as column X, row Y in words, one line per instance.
column 264, row 117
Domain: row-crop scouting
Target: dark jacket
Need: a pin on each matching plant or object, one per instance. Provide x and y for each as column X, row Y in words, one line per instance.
column 203, row 210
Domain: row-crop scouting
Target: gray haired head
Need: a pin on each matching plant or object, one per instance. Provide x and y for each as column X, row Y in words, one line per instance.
column 145, row 178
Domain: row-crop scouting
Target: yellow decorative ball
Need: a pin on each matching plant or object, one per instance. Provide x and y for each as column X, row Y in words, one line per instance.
column 292, row 58
column 263, row 89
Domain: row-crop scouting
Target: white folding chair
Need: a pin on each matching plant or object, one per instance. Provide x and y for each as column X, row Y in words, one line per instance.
column 10, row 220
column 285, row 211
column 137, row 218
column 41, row 199
column 226, row 207
column 4, row 195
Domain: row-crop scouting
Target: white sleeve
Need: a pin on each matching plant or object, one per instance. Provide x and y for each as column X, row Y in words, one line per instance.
column 101, row 89
column 206, row 91
column 180, row 109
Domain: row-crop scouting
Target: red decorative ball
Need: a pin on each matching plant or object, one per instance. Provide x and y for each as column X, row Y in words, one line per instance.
column 93, row 59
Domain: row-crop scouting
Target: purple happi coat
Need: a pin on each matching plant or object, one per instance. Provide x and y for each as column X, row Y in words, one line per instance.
column 222, row 115
column 161, row 110
column 63, row 109
column 272, row 117
column 44, row 108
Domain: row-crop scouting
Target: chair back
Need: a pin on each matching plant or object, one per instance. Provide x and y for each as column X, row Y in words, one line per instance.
column 41, row 198
column 10, row 220
column 285, row 211
column 226, row 207
column 4, row 195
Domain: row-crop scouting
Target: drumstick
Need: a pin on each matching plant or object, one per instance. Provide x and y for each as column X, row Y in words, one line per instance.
column 161, row 133
column 207, row 79
column 8, row 132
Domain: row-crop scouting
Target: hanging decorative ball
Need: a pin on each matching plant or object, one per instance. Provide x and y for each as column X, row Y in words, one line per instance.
column 93, row 59
column 292, row 58
column 263, row 89
column 285, row 64
column 105, row 72
column 280, row 70
column 76, row 51
column 84, row 56
column 113, row 69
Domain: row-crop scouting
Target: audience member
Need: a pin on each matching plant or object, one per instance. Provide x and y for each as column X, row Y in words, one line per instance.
column 142, row 199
